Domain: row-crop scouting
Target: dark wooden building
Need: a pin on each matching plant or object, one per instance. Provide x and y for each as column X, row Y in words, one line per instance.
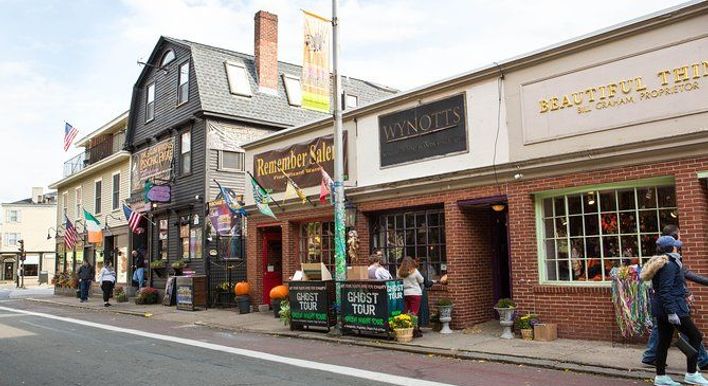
column 192, row 107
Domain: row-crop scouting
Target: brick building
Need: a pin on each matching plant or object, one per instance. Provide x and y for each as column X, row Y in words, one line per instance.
column 531, row 178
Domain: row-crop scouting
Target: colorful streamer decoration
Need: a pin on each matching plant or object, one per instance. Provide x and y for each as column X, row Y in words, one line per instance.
column 630, row 297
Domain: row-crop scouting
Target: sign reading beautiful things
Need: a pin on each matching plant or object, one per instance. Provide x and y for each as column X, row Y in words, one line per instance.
column 154, row 163
column 301, row 162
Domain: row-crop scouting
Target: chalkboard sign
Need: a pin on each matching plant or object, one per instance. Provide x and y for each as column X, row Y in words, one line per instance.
column 367, row 305
column 169, row 298
column 184, row 297
column 312, row 304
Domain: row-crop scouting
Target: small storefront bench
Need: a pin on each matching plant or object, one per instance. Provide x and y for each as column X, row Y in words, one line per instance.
column 312, row 304
column 367, row 305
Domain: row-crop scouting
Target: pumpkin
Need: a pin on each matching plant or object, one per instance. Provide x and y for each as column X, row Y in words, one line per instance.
column 242, row 288
column 279, row 292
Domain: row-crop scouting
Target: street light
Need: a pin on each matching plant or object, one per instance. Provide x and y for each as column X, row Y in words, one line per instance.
column 349, row 214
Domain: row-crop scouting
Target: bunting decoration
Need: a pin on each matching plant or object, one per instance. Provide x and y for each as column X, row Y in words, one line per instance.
column 262, row 198
column 95, row 235
column 292, row 190
column 325, row 186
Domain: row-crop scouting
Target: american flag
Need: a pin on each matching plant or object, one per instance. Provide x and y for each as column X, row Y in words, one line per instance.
column 69, row 135
column 133, row 218
column 70, row 235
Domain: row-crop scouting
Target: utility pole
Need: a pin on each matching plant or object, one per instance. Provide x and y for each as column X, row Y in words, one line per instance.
column 339, row 242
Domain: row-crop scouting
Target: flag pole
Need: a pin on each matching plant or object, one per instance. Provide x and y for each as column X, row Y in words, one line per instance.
column 261, row 186
column 339, row 242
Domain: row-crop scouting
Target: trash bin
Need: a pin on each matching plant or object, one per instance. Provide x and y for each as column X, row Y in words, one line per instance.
column 43, row 277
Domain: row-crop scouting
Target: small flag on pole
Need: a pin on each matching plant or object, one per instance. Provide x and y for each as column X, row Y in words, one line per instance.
column 70, row 235
column 133, row 218
column 325, row 186
column 69, row 135
column 261, row 197
column 228, row 194
column 95, row 235
column 291, row 189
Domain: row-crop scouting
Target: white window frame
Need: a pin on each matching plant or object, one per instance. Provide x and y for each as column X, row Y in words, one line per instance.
column 17, row 216
column 292, row 90
column 346, row 101
column 541, row 238
column 182, row 96
column 228, row 169
column 78, row 200
column 64, row 202
column 148, row 102
column 237, row 86
column 164, row 61
column 12, row 242
column 115, row 201
column 97, row 198
column 182, row 153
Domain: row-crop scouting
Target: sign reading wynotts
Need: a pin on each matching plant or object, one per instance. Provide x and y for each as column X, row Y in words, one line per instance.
column 424, row 131
column 301, row 162
column 154, row 163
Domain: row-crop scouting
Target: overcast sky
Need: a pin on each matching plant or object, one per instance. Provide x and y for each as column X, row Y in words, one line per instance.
column 76, row 60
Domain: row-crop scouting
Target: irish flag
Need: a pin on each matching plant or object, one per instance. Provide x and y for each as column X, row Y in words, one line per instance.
column 95, row 235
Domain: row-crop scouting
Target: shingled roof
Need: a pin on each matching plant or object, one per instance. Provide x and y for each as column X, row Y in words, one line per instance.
column 215, row 96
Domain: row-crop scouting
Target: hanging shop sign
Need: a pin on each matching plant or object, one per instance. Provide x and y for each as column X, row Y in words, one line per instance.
column 160, row 193
column 301, row 162
column 367, row 305
column 425, row 131
column 154, row 163
column 663, row 83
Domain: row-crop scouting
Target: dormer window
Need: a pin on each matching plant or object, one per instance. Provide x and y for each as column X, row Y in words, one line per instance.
column 293, row 89
column 168, row 57
column 238, row 79
column 350, row 101
column 150, row 102
column 183, row 83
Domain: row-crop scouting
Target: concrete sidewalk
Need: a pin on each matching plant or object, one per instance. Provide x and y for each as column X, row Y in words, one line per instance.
column 479, row 343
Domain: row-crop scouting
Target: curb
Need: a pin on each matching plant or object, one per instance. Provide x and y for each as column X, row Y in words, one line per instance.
column 579, row 367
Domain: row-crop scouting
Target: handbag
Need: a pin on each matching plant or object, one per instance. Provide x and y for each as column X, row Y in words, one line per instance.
column 685, row 347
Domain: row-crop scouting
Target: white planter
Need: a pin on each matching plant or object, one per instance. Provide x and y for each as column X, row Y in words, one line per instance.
column 506, row 319
column 445, row 318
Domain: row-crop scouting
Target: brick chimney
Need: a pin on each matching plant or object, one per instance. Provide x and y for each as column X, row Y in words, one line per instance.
column 266, row 49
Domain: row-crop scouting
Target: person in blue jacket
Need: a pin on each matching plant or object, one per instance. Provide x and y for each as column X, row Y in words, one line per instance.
column 649, row 357
column 670, row 307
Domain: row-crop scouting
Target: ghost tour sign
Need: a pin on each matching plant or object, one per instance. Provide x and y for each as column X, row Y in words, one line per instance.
column 312, row 304
column 367, row 305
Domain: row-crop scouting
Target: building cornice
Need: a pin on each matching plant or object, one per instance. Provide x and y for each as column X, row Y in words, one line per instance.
column 97, row 167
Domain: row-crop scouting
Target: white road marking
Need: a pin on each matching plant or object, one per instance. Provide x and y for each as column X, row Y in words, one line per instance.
column 340, row 370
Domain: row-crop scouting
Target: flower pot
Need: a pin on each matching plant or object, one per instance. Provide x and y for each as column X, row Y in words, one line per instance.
column 244, row 304
column 445, row 318
column 275, row 305
column 527, row 334
column 506, row 320
column 403, row 335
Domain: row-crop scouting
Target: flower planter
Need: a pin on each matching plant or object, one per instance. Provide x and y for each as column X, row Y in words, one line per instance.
column 506, row 320
column 527, row 334
column 403, row 335
column 244, row 304
column 445, row 318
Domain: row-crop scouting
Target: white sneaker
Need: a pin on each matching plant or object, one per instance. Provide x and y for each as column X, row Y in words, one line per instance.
column 665, row 380
column 695, row 379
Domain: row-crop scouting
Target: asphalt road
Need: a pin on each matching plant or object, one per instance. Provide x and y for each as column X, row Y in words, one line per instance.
column 64, row 346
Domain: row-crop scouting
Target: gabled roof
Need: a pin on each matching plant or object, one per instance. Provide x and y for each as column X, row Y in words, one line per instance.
column 210, row 71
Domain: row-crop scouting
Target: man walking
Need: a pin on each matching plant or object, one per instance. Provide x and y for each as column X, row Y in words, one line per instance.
column 138, row 268
column 86, row 276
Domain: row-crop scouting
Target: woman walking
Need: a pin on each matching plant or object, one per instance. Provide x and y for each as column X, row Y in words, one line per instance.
column 412, row 293
column 107, row 278
column 671, row 310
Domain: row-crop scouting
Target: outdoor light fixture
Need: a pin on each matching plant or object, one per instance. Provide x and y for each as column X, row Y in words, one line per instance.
column 498, row 207
column 591, row 199
column 673, row 214
column 349, row 215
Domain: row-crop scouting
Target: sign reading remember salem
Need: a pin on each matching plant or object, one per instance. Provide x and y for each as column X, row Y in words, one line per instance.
column 428, row 130
column 660, row 84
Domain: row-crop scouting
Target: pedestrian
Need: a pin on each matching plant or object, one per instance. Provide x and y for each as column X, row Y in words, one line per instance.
column 138, row 268
column 670, row 307
column 376, row 270
column 86, row 275
column 412, row 294
column 426, row 270
column 107, row 278
column 649, row 357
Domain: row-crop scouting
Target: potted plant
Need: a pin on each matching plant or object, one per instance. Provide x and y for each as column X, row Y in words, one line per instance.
column 285, row 312
column 506, row 307
column 121, row 296
column 525, row 325
column 159, row 266
column 242, row 289
column 445, row 315
column 402, row 326
column 178, row 265
column 277, row 295
column 147, row 295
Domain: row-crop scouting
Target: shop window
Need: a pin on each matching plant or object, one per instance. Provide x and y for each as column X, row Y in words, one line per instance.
column 317, row 244
column 30, row 269
column 184, row 238
column 191, row 240
column 162, row 246
column 419, row 234
column 587, row 233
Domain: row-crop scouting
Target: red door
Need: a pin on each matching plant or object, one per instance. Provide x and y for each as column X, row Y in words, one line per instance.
column 272, row 263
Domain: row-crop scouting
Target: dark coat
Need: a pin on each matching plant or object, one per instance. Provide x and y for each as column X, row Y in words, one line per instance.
column 86, row 272
column 670, row 289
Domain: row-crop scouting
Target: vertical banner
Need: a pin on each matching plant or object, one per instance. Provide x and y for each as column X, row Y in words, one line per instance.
column 315, row 63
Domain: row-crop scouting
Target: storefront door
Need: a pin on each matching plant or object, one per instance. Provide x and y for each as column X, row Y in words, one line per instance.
column 501, row 263
column 9, row 272
column 272, row 263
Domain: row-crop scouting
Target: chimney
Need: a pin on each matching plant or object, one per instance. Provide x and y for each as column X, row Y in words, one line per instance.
column 37, row 195
column 266, row 50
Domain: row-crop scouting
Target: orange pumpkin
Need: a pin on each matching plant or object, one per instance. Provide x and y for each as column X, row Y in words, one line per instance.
column 279, row 292
column 242, row 288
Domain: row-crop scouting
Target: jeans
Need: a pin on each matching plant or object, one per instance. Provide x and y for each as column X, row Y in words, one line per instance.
column 139, row 276
column 84, row 286
column 650, row 353
column 666, row 332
